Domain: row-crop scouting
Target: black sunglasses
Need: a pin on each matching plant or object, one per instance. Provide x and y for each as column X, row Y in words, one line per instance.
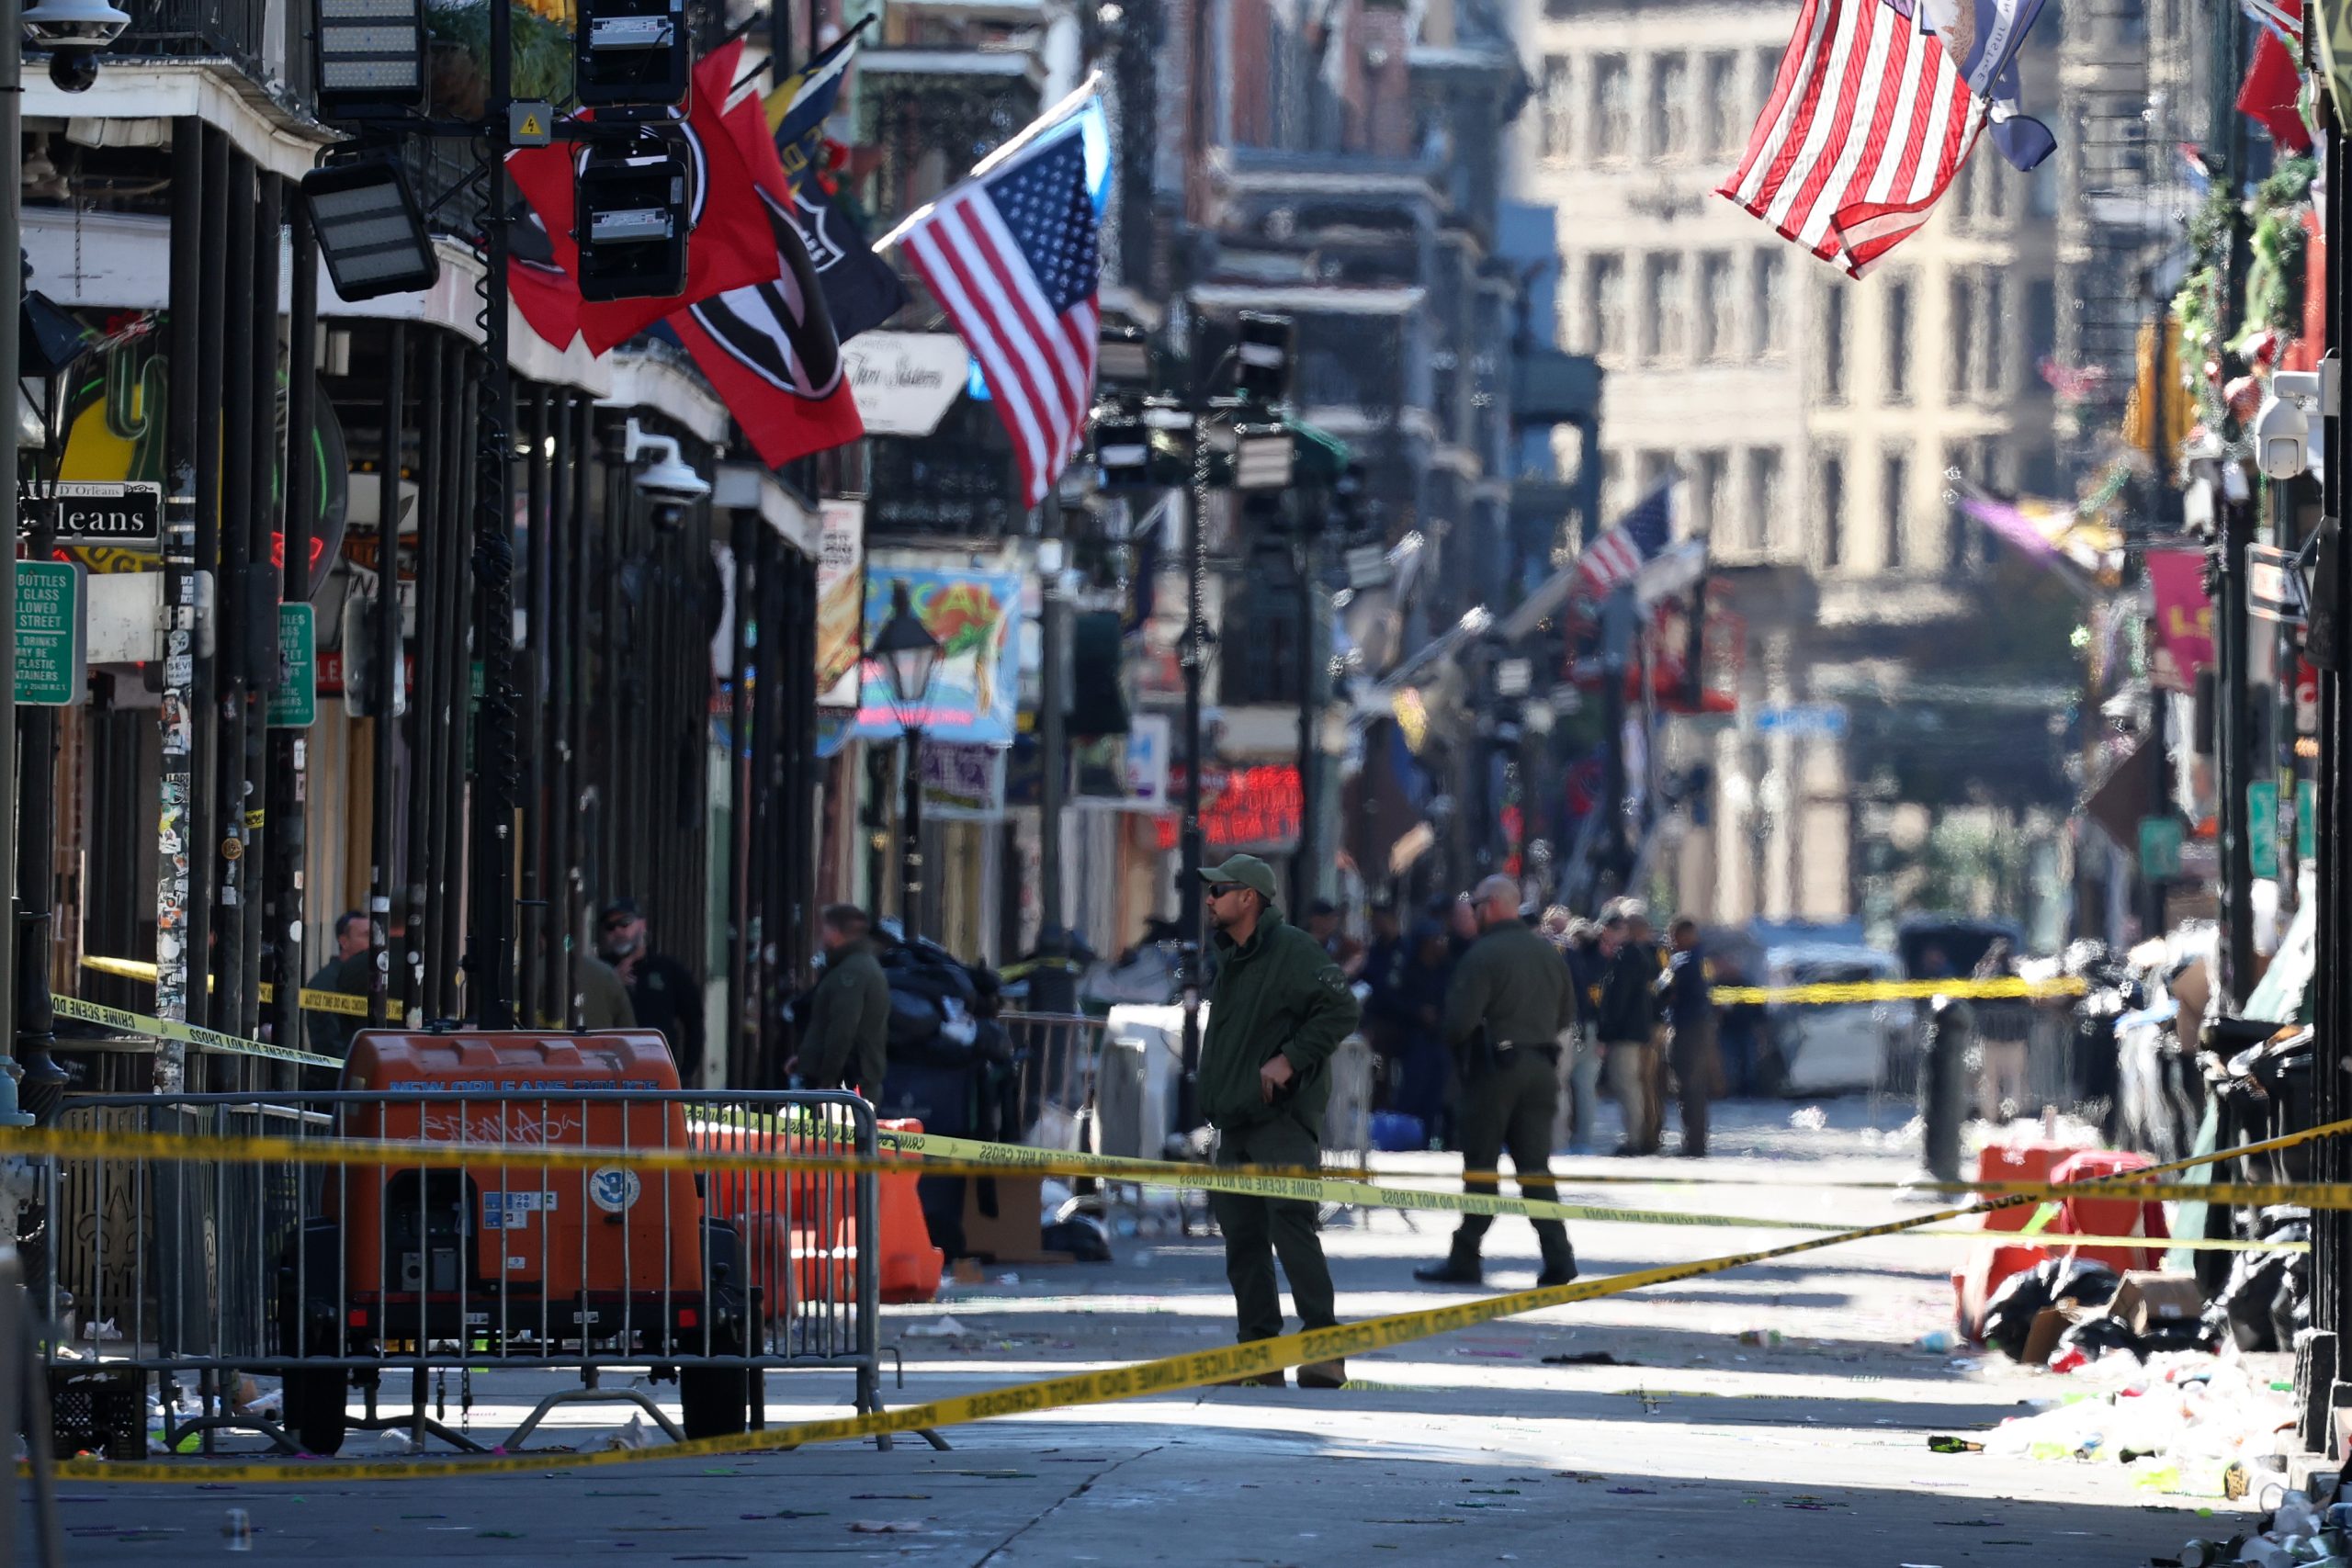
column 1222, row 888
column 614, row 922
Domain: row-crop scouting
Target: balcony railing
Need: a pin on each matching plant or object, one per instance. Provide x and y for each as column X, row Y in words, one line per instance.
column 267, row 40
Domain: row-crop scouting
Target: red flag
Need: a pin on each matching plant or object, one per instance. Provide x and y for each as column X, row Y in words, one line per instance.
column 769, row 350
column 2267, row 96
column 727, row 246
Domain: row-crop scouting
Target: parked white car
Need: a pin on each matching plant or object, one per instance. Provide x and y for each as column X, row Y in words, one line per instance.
column 1833, row 1048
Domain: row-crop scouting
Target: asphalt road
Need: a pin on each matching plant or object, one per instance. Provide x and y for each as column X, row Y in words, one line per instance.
column 1777, row 1415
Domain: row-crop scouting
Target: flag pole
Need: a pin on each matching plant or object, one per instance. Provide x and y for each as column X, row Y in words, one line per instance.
column 1062, row 113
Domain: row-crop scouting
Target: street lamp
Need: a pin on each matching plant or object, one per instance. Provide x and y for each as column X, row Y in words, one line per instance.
column 909, row 656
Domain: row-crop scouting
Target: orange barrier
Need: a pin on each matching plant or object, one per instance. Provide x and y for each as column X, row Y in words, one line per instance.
column 910, row 1265
column 2108, row 1216
column 1993, row 1261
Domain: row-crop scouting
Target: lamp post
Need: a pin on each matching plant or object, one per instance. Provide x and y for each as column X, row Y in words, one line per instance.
column 909, row 656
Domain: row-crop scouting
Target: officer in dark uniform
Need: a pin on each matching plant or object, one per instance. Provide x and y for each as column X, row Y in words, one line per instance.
column 1509, row 1005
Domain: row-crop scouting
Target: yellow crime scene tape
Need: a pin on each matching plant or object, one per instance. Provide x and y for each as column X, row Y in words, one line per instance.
column 1837, row 991
column 1168, row 1374
column 312, row 1000
column 187, row 1034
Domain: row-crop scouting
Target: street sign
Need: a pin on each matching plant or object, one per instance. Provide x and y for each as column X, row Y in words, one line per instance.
column 1802, row 718
column 294, row 700
column 2160, row 839
column 2262, row 825
column 2273, row 590
column 128, row 515
column 50, row 633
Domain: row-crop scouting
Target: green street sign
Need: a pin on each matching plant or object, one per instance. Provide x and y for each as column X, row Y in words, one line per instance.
column 2306, row 821
column 50, row 633
column 2262, row 825
column 294, row 700
column 2160, row 848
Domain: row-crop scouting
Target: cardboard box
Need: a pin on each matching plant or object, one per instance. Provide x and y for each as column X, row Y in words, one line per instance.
column 2041, row 1340
column 2148, row 1299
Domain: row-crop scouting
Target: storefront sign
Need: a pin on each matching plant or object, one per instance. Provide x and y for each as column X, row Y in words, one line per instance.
column 841, row 559
column 974, row 691
column 49, row 633
column 1147, row 760
column 2184, row 616
column 904, row 382
column 294, row 701
column 2262, row 826
column 963, row 782
column 1258, row 809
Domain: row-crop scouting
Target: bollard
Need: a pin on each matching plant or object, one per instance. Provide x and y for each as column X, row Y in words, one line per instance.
column 1943, row 1087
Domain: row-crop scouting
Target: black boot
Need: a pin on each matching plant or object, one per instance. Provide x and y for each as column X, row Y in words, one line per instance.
column 1559, row 1263
column 1460, row 1268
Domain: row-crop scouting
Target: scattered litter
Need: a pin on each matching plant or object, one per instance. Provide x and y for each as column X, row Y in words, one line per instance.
column 1588, row 1359
column 636, row 1435
column 1759, row 1336
column 1811, row 1119
column 942, row 1327
column 1632, row 1491
column 797, row 1514
column 1938, row 1342
column 104, row 1329
column 498, row 1535
column 395, row 1441
column 1008, row 1279
column 239, row 1530
column 1943, row 1445
column 886, row 1527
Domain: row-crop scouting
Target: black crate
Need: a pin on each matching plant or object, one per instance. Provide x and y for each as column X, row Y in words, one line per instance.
column 98, row 1410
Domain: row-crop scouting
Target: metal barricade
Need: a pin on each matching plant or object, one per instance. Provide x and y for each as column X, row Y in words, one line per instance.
column 333, row 1273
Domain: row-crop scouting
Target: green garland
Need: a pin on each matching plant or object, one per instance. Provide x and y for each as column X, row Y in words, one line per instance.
column 2274, row 283
column 2201, row 305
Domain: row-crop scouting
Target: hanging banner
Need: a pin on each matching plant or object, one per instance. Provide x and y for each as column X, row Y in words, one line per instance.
column 2184, row 617
column 841, row 630
column 962, row 783
column 976, row 690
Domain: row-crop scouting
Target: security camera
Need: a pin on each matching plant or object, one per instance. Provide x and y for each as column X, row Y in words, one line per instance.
column 74, row 32
column 664, row 479
column 2281, row 439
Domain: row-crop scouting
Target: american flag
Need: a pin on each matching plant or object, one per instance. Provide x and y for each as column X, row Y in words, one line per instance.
column 1867, row 122
column 1627, row 544
column 1011, row 256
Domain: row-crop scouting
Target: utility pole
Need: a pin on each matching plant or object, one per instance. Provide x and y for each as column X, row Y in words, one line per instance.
column 12, row 101
column 1053, row 743
column 1193, row 654
column 2236, row 745
column 175, row 849
column 289, row 749
column 384, row 686
column 1306, row 874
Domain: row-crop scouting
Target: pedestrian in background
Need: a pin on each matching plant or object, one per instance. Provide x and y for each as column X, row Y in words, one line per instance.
column 1586, row 968
column 662, row 992
column 1510, row 1005
column 346, row 974
column 600, row 996
column 845, row 1042
column 1629, row 1021
column 1278, row 1008
column 1323, row 923
column 1691, row 1010
column 1424, row 1066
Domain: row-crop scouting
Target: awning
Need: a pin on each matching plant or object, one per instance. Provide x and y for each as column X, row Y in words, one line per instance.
column 1317, row 456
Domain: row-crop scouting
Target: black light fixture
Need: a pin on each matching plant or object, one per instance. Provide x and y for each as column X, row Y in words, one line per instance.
column 1263, row 356
column 371, row 58
column 1262, row 456
column 630, row 208
column 1122, row 448
column 908, row 654
column 630, row 52
column 370, row 230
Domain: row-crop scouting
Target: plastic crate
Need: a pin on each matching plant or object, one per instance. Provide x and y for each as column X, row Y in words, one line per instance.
column 98, row 1410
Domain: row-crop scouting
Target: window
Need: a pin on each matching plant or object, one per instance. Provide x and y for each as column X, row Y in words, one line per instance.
column 1718, row 306
column 1898, row 340
column 1961, row 338
column 1893, row 492
column 1997, row 335
column 1719, row 105
column 1833, row 511
column 1833, row 343
column 1996, row 191
column 1613, row 487
column 1707, row 470
column 2040, row 323
column 1604, row 284
column 1559, row 103
column 2041, row 187
column 1769, row 324
column 1666, row 311
column 1651, row 469
column 1763, row 497
column 1612, row 107
column 1670, row 105
column 1767, row 66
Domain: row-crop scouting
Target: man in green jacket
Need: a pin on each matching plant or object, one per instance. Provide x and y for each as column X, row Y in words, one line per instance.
column 1510, row 1004
column 1278, row 1009
column 846, row 1040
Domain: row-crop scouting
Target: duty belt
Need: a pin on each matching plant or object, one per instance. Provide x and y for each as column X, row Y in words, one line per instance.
column 1547, row 1047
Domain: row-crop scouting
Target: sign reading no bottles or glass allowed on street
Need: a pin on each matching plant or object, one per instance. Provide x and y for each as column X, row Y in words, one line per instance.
column 51, row 634
column 2262, row 826
column 294, row 700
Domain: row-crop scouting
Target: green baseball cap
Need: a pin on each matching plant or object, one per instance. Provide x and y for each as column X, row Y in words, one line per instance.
column 1248, row 869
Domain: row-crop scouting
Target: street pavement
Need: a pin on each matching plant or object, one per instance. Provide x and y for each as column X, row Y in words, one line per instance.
column 1775, row 1414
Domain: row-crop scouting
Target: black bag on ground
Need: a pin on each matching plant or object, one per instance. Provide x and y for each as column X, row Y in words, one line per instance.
column 2008, row 1319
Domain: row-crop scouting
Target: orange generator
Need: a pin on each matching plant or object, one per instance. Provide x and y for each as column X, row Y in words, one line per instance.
column 517, row 1261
